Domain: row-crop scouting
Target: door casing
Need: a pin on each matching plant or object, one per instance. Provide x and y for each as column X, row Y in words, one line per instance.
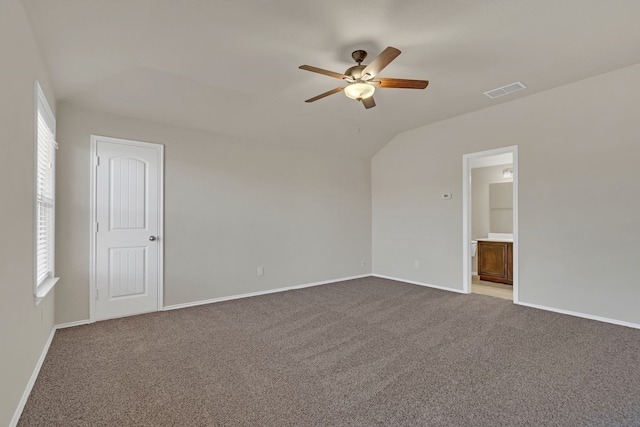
column 93, row 217
column 466, row 216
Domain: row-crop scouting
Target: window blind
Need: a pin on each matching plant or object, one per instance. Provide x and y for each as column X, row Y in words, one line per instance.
column 45, row 190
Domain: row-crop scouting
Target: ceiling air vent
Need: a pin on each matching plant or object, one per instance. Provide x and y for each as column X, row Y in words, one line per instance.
column 505, row 90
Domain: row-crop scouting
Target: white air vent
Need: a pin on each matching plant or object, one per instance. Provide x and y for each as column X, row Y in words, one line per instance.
column 505, row 90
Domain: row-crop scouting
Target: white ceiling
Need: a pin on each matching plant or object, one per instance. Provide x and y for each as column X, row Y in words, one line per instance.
column 231, row 66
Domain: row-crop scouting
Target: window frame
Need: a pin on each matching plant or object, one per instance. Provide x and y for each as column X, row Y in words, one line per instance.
column 42, row 285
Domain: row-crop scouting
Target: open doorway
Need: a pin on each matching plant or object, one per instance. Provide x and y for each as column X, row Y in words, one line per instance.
column 490, row 223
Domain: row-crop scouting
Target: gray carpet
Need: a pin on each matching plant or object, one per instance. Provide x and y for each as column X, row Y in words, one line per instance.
column 363, row 352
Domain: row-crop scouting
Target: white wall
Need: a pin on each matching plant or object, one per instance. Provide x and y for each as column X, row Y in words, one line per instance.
column 230, row 206
column 579, row 210
column 24, row 328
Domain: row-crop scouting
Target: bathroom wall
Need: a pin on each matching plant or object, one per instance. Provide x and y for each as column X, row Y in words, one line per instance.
column 481, row 178
column 501, row 207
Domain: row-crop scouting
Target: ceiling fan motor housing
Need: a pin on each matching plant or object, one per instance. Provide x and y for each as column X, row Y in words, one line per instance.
column 355, row 72
column 359, row 55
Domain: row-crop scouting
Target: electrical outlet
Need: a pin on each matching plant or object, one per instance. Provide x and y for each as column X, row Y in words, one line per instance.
column 447, row 196
column 416, row 263
column 260, row 271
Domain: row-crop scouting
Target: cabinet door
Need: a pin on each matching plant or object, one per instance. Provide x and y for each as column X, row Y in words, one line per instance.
column 493, row 262
column 510, row 262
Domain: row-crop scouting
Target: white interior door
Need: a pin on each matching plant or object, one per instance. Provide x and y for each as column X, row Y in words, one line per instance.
column 127, row 238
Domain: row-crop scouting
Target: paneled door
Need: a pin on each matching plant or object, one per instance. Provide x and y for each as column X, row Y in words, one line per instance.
column 128, row 185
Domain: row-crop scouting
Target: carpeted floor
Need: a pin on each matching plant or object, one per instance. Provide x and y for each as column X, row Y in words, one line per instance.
column 363, row 352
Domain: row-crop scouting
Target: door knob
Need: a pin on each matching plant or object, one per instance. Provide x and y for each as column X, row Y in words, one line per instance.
column 152, row 238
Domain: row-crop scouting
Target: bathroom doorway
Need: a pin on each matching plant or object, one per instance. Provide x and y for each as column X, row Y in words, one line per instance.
column 490, row 220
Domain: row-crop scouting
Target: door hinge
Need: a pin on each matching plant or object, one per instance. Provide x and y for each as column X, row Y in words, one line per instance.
column 97, row 293
column 97, row 161
column 97, row 227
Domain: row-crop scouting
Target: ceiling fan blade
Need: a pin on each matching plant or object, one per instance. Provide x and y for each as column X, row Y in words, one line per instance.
column 322, row 95
column 400, row 83
column 382, row 60
column 322, row 71
column 368, row 102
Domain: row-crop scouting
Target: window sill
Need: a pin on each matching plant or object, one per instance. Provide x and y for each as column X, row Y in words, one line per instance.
column 44, row 289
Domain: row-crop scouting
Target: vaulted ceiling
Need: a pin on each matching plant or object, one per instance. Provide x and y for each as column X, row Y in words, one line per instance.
column 231, row 66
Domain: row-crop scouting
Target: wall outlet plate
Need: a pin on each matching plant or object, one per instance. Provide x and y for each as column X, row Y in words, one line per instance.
column 447, row 196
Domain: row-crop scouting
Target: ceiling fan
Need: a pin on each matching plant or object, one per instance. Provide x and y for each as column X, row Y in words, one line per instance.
column 361, row 79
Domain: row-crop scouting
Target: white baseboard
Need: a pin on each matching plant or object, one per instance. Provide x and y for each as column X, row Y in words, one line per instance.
column 72, row 324
column 460, row 291
column 32, row 380
column 36, row 371
column 254, row 294
column 45, row 350
column 578, row 314
column 526, row 304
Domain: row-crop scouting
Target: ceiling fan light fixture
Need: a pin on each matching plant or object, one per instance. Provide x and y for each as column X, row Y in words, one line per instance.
column 359, row 79
column 359, row 90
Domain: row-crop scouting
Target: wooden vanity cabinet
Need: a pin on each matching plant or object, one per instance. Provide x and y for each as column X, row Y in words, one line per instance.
column 495, row 261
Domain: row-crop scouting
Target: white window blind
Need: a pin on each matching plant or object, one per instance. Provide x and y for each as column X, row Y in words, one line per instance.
column 45, row 195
